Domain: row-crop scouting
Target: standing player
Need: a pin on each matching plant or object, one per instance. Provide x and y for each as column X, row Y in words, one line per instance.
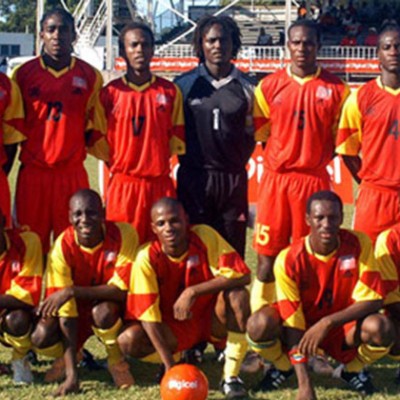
column 370, row 124
column 185, row 286
column 218, row 103
column 143, row 118
column 11, row 114
column 20, row 287
column 296, row 113
column 329, row 292
column 59, row 93
column 87, row 278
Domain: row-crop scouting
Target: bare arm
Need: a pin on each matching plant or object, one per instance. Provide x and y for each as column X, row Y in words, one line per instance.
column 68, row 328
column 11, row 151
column 185, row 301
column 11, row 303
column 353, row 164
column 154, row 332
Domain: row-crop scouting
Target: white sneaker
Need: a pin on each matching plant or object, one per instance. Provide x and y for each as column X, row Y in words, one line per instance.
column 22, row 374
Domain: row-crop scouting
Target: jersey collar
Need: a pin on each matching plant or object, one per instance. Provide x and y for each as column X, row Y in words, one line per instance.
column 140, row 88
column 53, row 71
column 394, row 92
column 89, row 250
column 320, row 257
column 234, row 74
column 304, row 80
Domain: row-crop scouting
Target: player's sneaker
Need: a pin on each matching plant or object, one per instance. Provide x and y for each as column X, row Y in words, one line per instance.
column 272, row 379
column 195, row 355
column 121, row 375
column 233, row 388
column 22, row 374
column 359, row 381
column 56, row 373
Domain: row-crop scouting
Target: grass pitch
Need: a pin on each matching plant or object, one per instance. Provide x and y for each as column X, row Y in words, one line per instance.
column 98, row 384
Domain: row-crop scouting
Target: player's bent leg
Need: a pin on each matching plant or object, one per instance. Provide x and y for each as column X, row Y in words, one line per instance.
column 16, row 328
column 107, row 325
column 263, row 335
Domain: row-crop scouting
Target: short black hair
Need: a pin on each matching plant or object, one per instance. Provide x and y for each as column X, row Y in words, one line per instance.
column 65, row 15
column 204, row 25
column 87, row 193
column 385, row 28
column 306, row 23
column 327, row 195
column 130, row 27
column 167, row 202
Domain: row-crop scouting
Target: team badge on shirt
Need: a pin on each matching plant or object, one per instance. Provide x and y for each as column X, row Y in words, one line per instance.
column 79, row 82
column 15, row 267
column 323, row 93
column 109, row 258
column 347, row 264
column 161, row 99
column 193, row 261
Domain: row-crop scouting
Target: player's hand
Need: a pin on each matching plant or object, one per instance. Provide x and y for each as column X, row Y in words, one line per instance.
column 70, row 385
column 306, row 393
column 183, row 305
column 313, row 337
column 50, row 306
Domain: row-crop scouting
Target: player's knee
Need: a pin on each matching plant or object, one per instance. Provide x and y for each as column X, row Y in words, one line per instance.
column 378, row 330
column 238, row 301
column 262, row 326
column 41, row 337
column 129, row 341
column 105, row 314
column 17, row 322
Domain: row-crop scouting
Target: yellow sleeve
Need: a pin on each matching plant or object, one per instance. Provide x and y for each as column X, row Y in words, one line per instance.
column 27, row 285
column 223, row 259
column 261, row 115
column 126, row 256
column 143, row 296
column 369, row 286
column 261, row 295
column 345, row 95
column 387, row 269
column 13, row 117
column 177, row 143
column 350, row 127
column 288, row 295
column 59, row 277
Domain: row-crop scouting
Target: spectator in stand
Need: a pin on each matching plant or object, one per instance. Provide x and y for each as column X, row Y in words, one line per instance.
column 349, row 40
column 302, row 11
column 372, row 37
column 264, row 38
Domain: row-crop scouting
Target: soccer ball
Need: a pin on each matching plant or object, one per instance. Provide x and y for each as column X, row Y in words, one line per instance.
column 184, row 382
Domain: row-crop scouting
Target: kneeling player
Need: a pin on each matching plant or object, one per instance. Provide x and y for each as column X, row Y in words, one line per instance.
column 329, row 291
column 20, row 286
column 87, row 277
column 186, row 286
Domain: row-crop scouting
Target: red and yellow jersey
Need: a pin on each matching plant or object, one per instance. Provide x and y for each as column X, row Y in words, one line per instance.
column 11, row 114
column 21, row 267
column 298, row 118
column 59, row 109
column 310, row 286
column 158, row 280
column 370, row 124
column 387, row 254
column 144, row 126
column 110, row 262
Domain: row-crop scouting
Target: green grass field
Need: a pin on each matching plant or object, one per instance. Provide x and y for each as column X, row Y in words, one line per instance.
column 98, row 385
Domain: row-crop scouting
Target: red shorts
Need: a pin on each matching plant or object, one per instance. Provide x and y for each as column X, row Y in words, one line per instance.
column 130, row 200
column 281, row 208
column 335, row 345
column 376, row 210
column 5, row 202
column 42, row 198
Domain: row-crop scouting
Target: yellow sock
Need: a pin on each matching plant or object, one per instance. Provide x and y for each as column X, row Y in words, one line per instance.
column 235, row 352
column 395, row 357
column 155, row 358
column 262, row 294
column 20, row 344
column 54, row 351
column 272, row 352
column 109, row 338
column 366, row 354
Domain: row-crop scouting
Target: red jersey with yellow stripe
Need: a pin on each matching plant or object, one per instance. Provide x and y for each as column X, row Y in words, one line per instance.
column 370, row 124
column 21, row 267
column 298, row 118
column 110, row 262
column 59, row 109
column 310, row 286
column 387, row 254
column 144, row 126
column 158, row 280
column 11, row 114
